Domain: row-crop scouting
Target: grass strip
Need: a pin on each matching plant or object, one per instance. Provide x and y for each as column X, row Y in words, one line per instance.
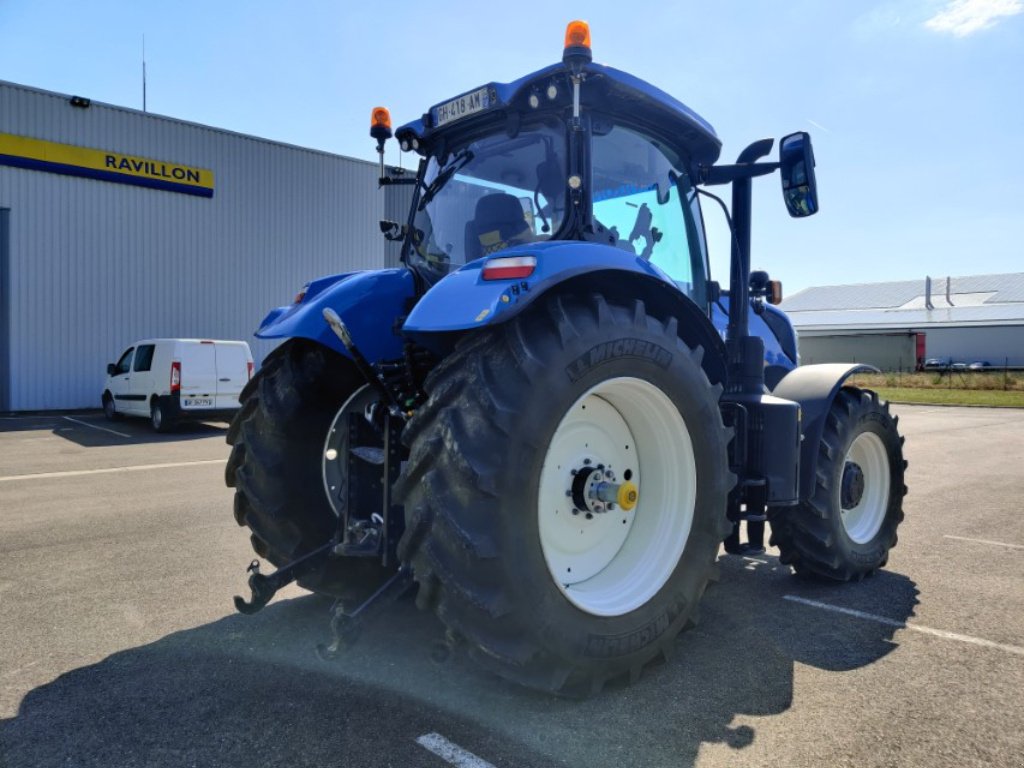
column 989, row 397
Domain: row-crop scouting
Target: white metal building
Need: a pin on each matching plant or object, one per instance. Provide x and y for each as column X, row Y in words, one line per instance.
column 962, row 319
column 117, row 225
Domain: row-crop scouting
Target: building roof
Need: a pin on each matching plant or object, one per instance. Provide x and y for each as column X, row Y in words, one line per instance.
column 6, row 84
column 972, row 300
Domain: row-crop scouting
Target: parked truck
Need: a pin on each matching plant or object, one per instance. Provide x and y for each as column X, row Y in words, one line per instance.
column 549, row 415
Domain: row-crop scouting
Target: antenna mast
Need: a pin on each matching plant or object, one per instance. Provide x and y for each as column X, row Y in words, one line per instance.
column 143, row 73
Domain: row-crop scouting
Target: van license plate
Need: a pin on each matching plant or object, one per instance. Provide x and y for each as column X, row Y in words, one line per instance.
column 198, row 402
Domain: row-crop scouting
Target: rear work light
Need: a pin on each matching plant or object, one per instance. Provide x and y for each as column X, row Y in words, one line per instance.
column 175, row 376
column 509, row 267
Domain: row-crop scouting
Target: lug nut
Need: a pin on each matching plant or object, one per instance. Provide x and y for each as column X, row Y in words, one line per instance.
column 589, row 516
column 586, row 461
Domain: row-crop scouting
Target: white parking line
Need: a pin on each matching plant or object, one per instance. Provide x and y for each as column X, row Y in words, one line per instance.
column 987, row 541
column 1015, row 649
column 101, row 429
column 450, row 752
column 108, row 470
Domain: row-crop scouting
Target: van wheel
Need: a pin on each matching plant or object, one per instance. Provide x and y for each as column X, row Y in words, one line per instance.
column 109, row 409
column 160, row 421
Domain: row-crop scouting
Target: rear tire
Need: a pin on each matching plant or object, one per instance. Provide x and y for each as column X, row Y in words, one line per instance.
column 277, row 442
column 845, row 531
column 159, row 419
column 491, row 483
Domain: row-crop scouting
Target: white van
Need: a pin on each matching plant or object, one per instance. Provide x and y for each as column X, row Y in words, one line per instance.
column 166, row 380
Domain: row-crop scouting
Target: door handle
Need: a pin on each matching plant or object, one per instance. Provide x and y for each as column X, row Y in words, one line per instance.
column 223, row 379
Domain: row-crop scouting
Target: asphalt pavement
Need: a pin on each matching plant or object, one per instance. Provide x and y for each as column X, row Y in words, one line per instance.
column 119, row 645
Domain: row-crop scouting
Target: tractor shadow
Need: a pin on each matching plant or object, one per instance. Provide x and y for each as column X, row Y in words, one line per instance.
column 250, row 690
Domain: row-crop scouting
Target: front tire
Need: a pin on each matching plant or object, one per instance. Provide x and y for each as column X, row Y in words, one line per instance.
column 516, row 416
column 846, row 529
column 110, row 408
column 277, row 444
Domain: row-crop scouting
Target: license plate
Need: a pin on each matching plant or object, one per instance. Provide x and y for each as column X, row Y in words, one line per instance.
column 461, row 106
column 198, row 402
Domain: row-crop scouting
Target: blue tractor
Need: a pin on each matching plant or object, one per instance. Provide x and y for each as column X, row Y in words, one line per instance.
column 549, row 416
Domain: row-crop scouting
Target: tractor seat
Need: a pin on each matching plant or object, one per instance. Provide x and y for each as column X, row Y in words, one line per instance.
column 499, row 223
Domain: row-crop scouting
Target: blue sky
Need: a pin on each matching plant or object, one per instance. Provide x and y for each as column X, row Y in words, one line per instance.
column 916, row 106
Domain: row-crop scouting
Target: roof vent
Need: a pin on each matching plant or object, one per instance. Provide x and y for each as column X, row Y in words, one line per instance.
column 928, row 293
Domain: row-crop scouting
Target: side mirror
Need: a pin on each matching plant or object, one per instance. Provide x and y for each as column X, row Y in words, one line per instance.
column 774, row 292
column 796, row 165
column 111, row 368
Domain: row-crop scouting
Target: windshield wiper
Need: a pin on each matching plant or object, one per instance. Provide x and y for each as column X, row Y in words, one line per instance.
column 457, row 163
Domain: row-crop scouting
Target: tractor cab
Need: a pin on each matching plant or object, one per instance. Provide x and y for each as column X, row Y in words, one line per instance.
column 574, row 152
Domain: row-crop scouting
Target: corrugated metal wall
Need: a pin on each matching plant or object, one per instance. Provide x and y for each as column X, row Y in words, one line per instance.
column 999, row 345
column 886, row 351
column 96, row 265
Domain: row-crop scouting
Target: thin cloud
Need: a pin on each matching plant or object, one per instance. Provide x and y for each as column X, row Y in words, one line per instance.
column 961, row 18
column 818, row 125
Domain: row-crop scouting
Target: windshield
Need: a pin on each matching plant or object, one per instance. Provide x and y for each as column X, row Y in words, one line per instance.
column 490, row 194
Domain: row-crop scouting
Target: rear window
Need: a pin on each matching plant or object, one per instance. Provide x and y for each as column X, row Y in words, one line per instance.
column 144, row 357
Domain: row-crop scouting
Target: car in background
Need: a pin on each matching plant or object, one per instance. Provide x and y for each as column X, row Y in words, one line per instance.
column 167, row 380
column 937, row 363
column 980, row 365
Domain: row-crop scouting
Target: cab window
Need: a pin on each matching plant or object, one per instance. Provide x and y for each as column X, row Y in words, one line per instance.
column 125, row 363
column 144, row 357
column 641, row 197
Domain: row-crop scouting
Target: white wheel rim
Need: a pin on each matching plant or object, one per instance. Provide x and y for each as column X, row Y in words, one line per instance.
column 863, row 520
column 616, row 561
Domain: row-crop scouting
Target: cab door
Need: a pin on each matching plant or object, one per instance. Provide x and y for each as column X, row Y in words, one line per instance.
column 121, row 383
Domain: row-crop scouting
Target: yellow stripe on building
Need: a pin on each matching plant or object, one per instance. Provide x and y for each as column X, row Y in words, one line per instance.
column 105, row 162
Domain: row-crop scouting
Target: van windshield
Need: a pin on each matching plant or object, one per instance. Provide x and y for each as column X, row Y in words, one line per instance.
column 490, row 194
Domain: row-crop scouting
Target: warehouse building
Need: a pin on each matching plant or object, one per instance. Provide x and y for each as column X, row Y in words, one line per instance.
column 899, row 325
column 117, row 225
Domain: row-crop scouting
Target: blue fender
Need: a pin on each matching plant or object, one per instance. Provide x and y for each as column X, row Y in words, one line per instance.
column 814, row 387
column 368, row 302
column 464, row 300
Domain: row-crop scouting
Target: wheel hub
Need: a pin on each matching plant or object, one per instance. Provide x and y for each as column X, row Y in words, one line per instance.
column 852, row 490
column 593, row 489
